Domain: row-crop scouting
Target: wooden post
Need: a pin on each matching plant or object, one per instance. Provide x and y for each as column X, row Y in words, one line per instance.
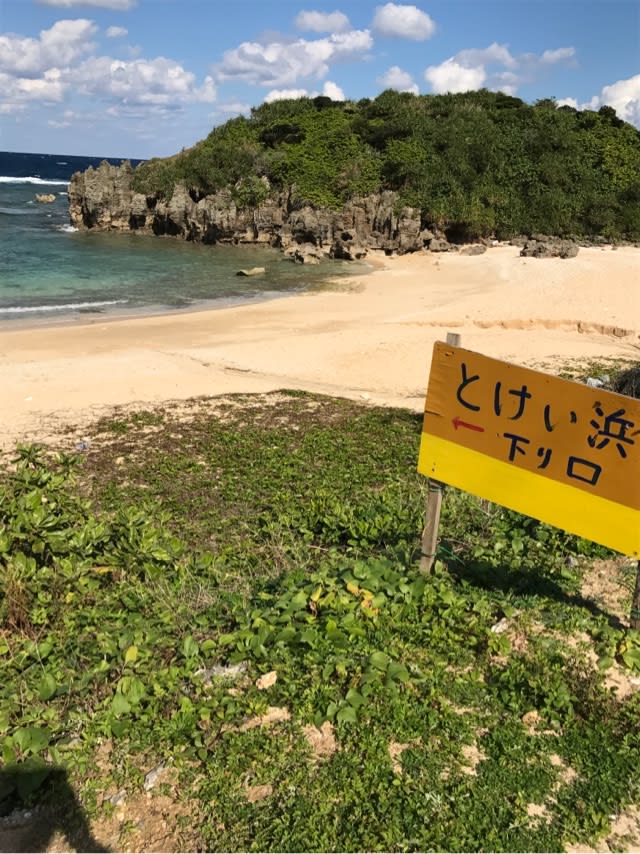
column 432, row 521
column 434, row 504
column 634, row 619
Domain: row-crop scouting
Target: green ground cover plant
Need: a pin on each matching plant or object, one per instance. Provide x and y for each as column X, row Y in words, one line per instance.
column 212, row 588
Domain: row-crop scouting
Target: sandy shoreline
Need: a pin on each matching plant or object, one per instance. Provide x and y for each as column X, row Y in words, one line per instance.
column 370, row 339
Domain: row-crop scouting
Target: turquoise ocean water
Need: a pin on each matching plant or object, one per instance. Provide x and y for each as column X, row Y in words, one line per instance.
column 49, row 271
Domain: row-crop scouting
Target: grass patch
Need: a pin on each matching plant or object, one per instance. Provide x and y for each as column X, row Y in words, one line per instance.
column 218, row 591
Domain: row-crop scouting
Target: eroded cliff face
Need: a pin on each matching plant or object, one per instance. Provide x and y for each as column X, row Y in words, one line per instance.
column 103, row 199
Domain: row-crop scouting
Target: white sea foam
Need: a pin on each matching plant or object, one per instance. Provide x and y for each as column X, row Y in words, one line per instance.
column 11, row 179
column 68, row 229
column 69, row 306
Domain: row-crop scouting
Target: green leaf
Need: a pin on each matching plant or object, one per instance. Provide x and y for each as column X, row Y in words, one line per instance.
column 354, row 698
column 397, row 672
column 118, row 728
column 379, row 660
column 44, row 649
column 309, row 636
column 631, row 658
column 299, row 601
column 132, row 689
column 120, row 705
column 131, row 654
column 347, row 714
column 190, row 647
column 32, row 739
column 47, row 687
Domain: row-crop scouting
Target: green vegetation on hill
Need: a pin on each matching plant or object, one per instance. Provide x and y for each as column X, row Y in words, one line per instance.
column 475, row 164
column 197, row 551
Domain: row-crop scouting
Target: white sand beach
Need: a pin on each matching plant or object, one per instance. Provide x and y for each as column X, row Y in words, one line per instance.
column 369, row 339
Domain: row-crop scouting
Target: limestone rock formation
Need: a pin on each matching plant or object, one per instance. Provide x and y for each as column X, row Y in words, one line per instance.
column 103, row 199
column 45, row 198
column 548, row 247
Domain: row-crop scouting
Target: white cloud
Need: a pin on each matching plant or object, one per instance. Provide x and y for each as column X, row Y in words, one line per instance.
column 116, row 32
column 407, row 22
column 568, row 102
column 281, row 65
column 159, row 82
column 18, row 92
column 234, row 108
column 60, row 45
column 329, row 90
column 47, row 69
column 333, row 91
column 284, row 94
column 562, row 54
column 401, row 81
column 66, row 121
column 623, row 96
column 495, row 53
column 116, row 5
column 323, row 22
column 494, row 67
column 450, row 76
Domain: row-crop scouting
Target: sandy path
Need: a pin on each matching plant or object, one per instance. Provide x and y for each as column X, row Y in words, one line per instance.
column 371, row 340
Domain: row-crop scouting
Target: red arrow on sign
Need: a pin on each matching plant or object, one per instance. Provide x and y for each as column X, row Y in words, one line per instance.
column 458, row 422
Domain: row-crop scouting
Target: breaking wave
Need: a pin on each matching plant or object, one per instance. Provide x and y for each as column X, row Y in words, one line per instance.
column 11, row 179
column 69, row 306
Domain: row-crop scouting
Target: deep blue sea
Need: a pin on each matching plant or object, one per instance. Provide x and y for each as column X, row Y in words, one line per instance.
column 49, row 270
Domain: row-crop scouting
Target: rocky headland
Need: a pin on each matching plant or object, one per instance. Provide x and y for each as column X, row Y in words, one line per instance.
column 104, row 199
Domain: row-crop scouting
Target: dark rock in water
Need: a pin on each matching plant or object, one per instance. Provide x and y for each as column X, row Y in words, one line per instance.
column 306, row 254
column 347, row 251
column 253, row 271
column 549, row 247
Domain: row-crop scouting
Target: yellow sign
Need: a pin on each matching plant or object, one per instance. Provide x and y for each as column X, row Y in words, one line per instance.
column 556, row 450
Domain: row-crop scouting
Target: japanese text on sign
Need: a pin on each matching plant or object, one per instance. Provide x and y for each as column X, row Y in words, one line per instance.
column 531, row 423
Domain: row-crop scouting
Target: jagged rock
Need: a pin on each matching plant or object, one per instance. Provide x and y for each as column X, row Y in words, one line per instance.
column 475, row 249
column 438, row 245
column 45, row 198
column 308, row 253
column 549, row 247
column 426, row 237
column 103, row 198
column 347, row 251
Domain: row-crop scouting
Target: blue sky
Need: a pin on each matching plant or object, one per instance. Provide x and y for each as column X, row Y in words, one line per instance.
column 143, row 78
